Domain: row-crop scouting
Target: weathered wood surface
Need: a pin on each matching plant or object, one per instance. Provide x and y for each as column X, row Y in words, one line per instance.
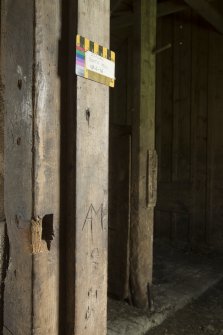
column 141, row 255
column 32, row 110
column 1, row 125
column 92, row 182
column 3, row 265
column 46, row 166
column 17, row 70
column 3, row 249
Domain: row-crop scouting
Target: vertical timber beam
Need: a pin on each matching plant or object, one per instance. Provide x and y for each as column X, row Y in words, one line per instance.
column 31, row 142
column 17, row 69
column 3, row 250
column 144, row 156
column 92, row 182
column 46, row 166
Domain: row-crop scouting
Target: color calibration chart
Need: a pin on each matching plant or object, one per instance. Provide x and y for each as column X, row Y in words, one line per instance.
column 95, row 62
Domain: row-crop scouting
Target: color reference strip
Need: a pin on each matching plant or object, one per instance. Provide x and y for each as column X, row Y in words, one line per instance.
column 83, row 46
column 80, row 61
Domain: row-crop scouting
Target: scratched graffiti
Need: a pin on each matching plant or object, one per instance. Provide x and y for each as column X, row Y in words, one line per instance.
column 92, row 216
column 92, row 298
column 95, row 258
column 94, row 221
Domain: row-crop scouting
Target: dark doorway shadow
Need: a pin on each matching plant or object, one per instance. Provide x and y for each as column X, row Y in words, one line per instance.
column 66, row 69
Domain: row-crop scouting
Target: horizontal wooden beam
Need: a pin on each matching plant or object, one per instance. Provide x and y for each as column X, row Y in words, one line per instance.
column 208, row 12
column 170, row 7
column 124, row 19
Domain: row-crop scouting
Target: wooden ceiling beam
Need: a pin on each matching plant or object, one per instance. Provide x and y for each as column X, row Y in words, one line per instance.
column 204, row 8
column 208, row 12
column 124, row 19
column 170, row 7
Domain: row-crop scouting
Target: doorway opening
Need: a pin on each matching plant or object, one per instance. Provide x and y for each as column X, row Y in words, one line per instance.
column 188, row 226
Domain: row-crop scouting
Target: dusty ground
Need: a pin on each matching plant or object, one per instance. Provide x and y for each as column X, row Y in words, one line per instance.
column 203, row 316
column 188, row 297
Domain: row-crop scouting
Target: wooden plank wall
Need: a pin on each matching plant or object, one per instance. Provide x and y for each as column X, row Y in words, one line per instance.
column 188, row 136
column 215, row 140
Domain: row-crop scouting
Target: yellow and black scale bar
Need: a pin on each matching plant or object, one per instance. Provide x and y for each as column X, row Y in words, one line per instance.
column 88, row 45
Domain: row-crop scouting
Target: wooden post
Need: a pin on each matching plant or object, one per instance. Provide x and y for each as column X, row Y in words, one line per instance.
column 3, row 249
column 32, row 110
column 92, row 182
column 144, row 156
column 17, row 70
column 46, row 166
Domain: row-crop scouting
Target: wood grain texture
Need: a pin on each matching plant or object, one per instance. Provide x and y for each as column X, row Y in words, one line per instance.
column 3, row 268
column 17, row 68
column 173, row 136
column 186, row 201
column 46, row 165
column 32, row 111
column 3, row 250
column 92, row 182
column 1, row 125
column 143, row 141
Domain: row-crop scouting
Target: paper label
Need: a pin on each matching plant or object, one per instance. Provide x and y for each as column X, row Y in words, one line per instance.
column 99, row 65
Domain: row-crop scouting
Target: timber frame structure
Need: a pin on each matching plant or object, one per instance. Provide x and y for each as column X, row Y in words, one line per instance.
column 54, row 224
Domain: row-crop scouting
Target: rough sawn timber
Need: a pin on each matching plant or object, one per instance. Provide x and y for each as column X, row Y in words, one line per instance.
column 143, row 154
column 92, row 182
column 17, row 70
column 32, row 110
column 46, row 166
